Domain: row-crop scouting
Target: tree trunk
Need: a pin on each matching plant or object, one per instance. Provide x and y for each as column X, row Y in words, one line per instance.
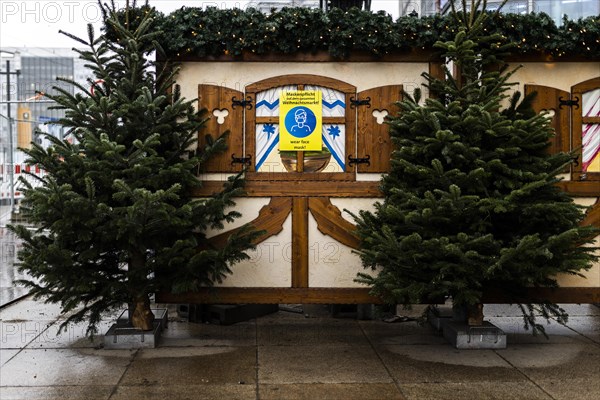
column 475, row 315
column 142, row 317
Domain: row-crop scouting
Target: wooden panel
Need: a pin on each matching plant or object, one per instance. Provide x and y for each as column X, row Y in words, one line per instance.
column 365, row 189
column 575, row 295
column 270, row 219
column 590, row 120
column 413, row 55
column 298, row 189
column 300, row 79
column 580, row 188
column 217, row 100
column 577, row 92
column 593, row 216
column 373, row 135
column 300, row 242
column 304, row 176
column 548, row 99
column 330, row 222
column 350, row 114
column 250, row 135
column 436, row 69
column 271, row 296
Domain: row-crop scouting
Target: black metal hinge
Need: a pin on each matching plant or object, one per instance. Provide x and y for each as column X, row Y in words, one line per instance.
column 243, row 103
column 358, row 102
column 241, row 160
column 365, row 160
column 568, row 103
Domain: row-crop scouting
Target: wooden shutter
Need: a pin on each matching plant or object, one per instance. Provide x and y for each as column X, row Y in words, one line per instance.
column 548, row 99
column 373, row 137
column 223, row 117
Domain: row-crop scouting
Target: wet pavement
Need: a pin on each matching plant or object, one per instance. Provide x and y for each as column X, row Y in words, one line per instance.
column 291, row 356
column 9, row 245
column 287, row 355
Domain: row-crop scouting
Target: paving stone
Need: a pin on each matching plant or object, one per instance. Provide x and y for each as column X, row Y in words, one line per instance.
column 16, row 334
column 572, row 389
column 7, row 354
column 482, row 390
column 194, row 365
column 30, row 310
column 301, row 332
column 88, row 392
column 444, row 363
column 331, row 391
column 180, row 334
column 320, row 364
column 557, row 361
column 186, row 392
column 401, row 333
column 586, row 326
column 71, row 336
column 65, row 367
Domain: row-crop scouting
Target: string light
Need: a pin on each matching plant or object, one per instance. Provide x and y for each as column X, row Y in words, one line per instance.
column 411, row 34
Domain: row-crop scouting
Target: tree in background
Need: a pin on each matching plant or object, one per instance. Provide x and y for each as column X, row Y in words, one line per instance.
column 471, row 202
column 114, row 218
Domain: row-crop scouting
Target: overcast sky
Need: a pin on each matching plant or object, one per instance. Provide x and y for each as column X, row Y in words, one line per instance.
column 35, row 23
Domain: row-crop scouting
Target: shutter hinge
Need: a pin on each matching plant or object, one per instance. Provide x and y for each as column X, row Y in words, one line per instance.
column 365, row 160
column 241, row 160
column 568, row 103
column 243, row 103
column 358, row 102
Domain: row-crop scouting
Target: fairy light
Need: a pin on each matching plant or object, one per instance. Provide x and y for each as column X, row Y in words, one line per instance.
column 277, row 20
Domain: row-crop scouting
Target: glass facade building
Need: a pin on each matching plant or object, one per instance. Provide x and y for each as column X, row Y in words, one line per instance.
column 556, row 9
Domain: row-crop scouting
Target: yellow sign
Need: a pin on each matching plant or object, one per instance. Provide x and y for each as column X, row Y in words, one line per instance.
column 300, row 120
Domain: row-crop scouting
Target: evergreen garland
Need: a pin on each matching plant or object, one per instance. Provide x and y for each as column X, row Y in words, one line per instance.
column 194, row 32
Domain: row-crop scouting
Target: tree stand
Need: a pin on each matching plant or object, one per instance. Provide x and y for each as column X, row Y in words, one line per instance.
column 468, row 330
column 124, row 335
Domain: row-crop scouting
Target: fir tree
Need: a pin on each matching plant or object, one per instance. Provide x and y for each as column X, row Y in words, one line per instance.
column 471, row 202
column 114, row 218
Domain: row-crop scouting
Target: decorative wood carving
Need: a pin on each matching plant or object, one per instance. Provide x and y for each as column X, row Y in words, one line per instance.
column 593, row 216
column 330, row 222
column 300, row 79
column 270, row 219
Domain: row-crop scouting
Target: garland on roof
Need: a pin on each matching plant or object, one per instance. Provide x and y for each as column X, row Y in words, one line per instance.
column 214, row 32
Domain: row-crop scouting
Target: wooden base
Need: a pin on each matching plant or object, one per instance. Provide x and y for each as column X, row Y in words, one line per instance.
column 576, row 295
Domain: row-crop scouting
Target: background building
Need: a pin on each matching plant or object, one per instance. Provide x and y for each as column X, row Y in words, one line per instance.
column 574, row 9
column 267, row 6
column 32, row 70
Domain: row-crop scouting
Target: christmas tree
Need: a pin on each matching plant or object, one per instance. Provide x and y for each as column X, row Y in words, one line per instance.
column 114, row 218
column 471, row 202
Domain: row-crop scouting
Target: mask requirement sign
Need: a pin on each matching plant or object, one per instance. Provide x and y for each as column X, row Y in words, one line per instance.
column 300, row 120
